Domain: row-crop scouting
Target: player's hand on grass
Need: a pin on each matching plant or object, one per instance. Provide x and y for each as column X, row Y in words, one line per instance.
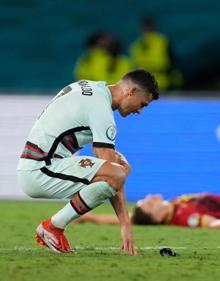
column 128, row 244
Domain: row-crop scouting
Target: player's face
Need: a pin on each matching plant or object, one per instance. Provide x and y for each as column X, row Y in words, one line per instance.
column 134, row 101
column 154, row 205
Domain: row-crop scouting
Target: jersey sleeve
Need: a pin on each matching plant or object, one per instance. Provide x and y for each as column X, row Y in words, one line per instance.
column 102, row 126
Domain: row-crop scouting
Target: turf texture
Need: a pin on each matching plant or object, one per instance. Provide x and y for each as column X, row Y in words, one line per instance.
column 98, row 255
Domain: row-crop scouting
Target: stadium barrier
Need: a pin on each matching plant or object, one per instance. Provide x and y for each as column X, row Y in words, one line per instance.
column 173, row 147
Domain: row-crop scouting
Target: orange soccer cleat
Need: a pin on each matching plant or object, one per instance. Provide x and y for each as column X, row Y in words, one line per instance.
column 48, row 235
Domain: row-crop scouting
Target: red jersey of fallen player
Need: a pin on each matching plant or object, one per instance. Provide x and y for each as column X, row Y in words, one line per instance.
column 188, row 210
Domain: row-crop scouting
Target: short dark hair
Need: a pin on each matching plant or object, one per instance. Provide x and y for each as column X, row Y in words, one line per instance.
column 142, row 218
column 145, row 80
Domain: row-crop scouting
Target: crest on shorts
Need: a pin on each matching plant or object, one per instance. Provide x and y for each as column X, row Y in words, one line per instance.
column 86, row 162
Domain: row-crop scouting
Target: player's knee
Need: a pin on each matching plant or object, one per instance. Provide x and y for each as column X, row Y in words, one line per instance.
column 114, row 174
column 105, row 191
column 117, row 179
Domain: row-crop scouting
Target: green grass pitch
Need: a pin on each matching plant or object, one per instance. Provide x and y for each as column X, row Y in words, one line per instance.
column 98, row 256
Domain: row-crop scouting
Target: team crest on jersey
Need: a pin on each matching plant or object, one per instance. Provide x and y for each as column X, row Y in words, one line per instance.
column 111, row 133
column 86, row 163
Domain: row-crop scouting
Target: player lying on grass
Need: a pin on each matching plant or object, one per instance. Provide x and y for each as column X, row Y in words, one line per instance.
column 193, row 210
column 80, row 114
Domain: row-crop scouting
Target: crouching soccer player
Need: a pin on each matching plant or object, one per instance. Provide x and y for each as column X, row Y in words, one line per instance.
column 79, row 114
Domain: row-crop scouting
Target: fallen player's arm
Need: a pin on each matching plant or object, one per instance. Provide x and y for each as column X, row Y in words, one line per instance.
column 98, row 219
column 210, row 222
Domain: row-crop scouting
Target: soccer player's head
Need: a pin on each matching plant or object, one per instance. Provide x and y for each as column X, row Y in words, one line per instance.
column 144, row 80
column 139, row 87
column 142, row 218
column 151, row 210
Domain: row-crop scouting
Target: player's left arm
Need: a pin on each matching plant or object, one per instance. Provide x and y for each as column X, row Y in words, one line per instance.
column 210, row 222
column 119, row 201
column 119, row 204
column 104, row 131
column 120, row 159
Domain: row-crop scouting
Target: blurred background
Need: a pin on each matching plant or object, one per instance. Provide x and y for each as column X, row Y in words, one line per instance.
column 174, row 147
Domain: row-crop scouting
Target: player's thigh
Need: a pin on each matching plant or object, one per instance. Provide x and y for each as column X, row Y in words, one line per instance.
column 62, row 178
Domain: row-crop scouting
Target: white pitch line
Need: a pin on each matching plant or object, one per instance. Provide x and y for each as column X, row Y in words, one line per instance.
column 19, row 248
column 118, row 248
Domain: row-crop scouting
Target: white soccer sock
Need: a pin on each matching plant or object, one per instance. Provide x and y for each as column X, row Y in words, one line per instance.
column 83, row 201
